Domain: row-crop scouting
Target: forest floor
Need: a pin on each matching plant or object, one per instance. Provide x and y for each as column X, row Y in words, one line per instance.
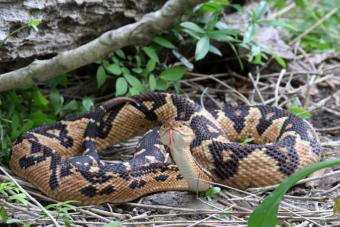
column 311, row 78
column 310, row 82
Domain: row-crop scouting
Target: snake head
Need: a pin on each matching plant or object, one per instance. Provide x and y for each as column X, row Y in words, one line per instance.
column 176, row 132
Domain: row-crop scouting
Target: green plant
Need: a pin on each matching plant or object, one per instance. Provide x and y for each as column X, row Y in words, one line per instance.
column 62, row 209
column 306, row 16
column 213, row 29
column 19, row 196
column 24, row 109
column 6, row 220
column 298, row 110
column 266, row 213
column 31, row 23
column 141, row 71
column 211, row 193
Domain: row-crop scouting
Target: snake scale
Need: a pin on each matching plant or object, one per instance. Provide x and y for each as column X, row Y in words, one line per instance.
column 62, row 159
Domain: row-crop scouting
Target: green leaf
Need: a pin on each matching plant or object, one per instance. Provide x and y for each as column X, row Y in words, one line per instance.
column 164, row 42
column 152, row 82
column 40, row 98
column 298, row 110
column 120, row 53
column 28, row 125
column 151, row 53
column 71, row 106
column 3, row 214
column 56, row 100
column 150, row 65
column 33, row 22
column 202, row 48
column 39, row 118
column 21, row 197
column 88, row 103
column 192, row 33
column 261, row 9
column 162, row 85
column 112, row 224
column 121, row 86
column 173, row 74
column 214, row 50
column 101, row 76
column 247, row 140
column 266, row 213
column 249, row 34
column 192, row 26
column 114, row 69
column 279, row 60
column 134, row 82
column 137, row 70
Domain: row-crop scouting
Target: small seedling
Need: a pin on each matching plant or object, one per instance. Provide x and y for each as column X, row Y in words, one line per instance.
column 211, row 193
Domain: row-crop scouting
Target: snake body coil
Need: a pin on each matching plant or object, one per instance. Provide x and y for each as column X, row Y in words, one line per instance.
column 62, row 160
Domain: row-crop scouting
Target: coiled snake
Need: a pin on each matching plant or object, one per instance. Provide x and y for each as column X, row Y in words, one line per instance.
column 62, row 160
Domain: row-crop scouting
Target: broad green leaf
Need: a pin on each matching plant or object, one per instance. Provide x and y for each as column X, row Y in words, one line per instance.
column 214, row 50
column 192, row 33
column 202, row 48
column 266, row 213
column 101, row 76
column 192, row 26
column 28, row 125
column 121, row 86
column 152, row 82
column 126, row 71
column 225, row 29
column 62, row 80
column 120, row 53
column 56, row 100
column 150, row 65
column 162, row 85
column 71, row 106
column 151, row 53
column 88, row 103
column 300, row 111
column 173, row 74
column 134, row 82
column 114, row 69
column 137, row 70
column 164, row 42
column 39, row 118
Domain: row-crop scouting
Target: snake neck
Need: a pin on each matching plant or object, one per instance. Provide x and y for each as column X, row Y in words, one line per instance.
column 196, row 178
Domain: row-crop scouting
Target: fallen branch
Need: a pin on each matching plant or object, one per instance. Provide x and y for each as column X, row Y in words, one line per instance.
column 138, row 33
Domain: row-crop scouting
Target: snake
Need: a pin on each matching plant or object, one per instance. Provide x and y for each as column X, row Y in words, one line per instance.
column 63, row 159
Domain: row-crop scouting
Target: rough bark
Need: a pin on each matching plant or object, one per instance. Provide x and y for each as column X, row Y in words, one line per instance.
column 138, row 33
column 65, row 24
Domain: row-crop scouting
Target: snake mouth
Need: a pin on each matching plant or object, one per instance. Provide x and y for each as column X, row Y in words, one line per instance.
column 173, row 129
